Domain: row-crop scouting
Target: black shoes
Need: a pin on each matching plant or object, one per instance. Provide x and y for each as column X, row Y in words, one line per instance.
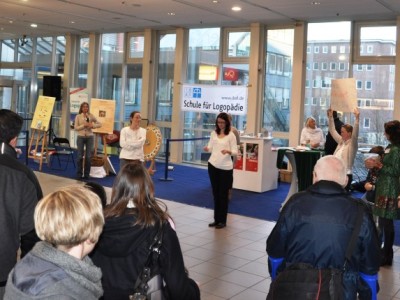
column 217, row 225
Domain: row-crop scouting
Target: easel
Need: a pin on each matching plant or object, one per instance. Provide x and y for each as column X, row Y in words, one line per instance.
column 38, row 136
column 105, row 156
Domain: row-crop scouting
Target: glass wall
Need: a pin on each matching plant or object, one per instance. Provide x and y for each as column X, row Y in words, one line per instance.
column 83, row 61
column 278, row 81
column 110, row 83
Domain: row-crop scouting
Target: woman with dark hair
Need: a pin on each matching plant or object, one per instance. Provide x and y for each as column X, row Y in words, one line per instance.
column 132, row 220
column 83, row 125
column 131, row 140
column 222, row 145
column 387, row 189
column 347, row 142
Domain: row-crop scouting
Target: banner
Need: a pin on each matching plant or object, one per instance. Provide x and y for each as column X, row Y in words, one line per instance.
column 43, row 112
column 214, row 99
column 343, row 94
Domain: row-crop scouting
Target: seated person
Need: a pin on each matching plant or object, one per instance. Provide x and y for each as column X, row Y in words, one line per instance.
column 312, row 135
column 69, row 223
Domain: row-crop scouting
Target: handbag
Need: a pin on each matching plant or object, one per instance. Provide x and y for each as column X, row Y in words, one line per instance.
column 150, row 284
column 303, row 281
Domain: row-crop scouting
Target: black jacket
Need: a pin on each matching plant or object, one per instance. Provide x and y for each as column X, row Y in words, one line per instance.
column 330, row 143
column 19, row 194
column 315, row 227
column 121, row 253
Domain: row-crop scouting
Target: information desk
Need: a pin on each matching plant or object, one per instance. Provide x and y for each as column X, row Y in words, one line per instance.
column 255, row 168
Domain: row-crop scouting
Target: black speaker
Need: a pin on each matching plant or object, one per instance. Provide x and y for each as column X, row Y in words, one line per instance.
column 52, row 86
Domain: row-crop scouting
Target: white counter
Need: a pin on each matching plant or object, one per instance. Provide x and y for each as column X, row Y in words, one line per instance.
column 252, row 172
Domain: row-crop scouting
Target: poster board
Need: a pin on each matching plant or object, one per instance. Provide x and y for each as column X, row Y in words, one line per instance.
column 43, row 112
column 104, row 111
column 343, row 94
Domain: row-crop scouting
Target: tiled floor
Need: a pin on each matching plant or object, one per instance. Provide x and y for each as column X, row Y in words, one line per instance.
column 230, row 263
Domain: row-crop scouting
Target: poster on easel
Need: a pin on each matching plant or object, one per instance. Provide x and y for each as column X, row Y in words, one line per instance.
column 43, row 112
column 104, row 111
column 76, row 97
column 251, row 157
column 343, row 94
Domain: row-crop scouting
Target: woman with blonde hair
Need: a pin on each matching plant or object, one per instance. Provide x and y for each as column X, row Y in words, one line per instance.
column 133, row 218
column 69, row 222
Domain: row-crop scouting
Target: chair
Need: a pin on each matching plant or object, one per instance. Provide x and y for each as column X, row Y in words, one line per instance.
column 63, row 148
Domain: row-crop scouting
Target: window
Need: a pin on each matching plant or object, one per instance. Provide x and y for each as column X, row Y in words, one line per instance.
column 324, row 66
column 359, row 84
column 324, row 49
column 315, row 83
column 306, row 101
column 315, row 66
column 238, row 43
column 271, row 63
column 341, row 66
column 279, row 64
column 359, row 67
column 308, row 66
column 316, row 49
column 322, row 102
column 342, row 49
column 368, row 85
column 366, row 122
column 367, row 102
column 307, row 83
column 370, row 49
column 369, row 67
column 314, row 101
column 333, row 66
column 136, row 46
column 308, row 49
column 333, row 49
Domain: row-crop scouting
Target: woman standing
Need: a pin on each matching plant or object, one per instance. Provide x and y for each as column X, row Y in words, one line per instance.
column 131, row 140
column 222, row 146
column 84, row 123
column 132, row 220
column 347, row 142
column 387, row 189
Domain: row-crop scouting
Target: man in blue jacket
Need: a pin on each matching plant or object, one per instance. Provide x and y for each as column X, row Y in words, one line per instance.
column 315, row 227
column 19, row 194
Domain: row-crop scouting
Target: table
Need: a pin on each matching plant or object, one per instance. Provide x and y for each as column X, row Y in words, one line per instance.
column 302, row 163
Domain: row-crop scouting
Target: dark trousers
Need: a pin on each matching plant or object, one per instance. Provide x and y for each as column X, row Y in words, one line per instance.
column 85, row 145
column 387, row 227
column 221, row 182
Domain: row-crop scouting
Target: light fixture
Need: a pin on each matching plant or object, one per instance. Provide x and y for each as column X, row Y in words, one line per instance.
column 171, row 14
column 315, row 3
column 33, row 25
column 236, row 8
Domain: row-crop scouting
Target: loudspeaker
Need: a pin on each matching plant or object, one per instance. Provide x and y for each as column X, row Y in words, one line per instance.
column 52, row 86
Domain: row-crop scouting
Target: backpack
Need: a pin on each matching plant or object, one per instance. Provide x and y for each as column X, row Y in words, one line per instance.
column 301, row 281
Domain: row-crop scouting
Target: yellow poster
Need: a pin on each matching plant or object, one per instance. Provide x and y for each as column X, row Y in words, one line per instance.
column 43, row 111
column 104, row 111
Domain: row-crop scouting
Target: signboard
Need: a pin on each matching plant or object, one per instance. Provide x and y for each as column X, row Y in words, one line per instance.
column 43, row 112
column 343, row 94
column 208, row 73
column 239, row 158
column 214, row 99
column 231, row 74
column 104, row 111
column 251, row 157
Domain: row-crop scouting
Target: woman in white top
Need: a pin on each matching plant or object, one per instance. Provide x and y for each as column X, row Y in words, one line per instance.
column 131, row 141
column 347, row 141
column 312, row 135
column 222, row 146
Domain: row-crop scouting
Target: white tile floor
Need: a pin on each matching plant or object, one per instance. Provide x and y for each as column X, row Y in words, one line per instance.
column 230, row 263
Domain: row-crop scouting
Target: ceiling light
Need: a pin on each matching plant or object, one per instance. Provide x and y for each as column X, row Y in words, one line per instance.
column 171, row 14
column 315, row 3
column 33, row 25
column 236, row 8
column 215, row 1
column 72, row 22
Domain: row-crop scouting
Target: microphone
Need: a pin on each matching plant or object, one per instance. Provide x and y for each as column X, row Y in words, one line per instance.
column 87, row 119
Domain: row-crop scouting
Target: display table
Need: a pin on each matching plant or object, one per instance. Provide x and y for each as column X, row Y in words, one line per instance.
column 302, row 163
column 255, row 169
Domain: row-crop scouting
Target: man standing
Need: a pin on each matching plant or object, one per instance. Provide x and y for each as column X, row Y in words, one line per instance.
column 19, row 194
column 315, row 227
column 330, row 143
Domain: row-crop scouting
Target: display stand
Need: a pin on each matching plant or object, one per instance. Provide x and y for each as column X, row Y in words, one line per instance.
column 38, row 138
column 255, row 170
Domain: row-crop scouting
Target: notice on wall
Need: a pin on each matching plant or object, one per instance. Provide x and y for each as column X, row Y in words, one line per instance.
column 214, row 99
column 343, row 94
column 251, row 157
column 104, row 111
column 43, row 111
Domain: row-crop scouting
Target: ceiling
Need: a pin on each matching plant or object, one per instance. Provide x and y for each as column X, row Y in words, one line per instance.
column 55, row 17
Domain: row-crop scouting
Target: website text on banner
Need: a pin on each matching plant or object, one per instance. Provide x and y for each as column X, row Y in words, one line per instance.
column 214, row 99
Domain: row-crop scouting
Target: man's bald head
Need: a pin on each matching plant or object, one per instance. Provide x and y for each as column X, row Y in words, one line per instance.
column 330, row 168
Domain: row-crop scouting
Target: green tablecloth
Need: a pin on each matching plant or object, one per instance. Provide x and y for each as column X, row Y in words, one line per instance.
column 305, row 162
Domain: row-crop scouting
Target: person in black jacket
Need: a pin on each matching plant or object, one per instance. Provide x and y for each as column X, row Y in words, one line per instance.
column 315, row 227
column 330, row 143
column 20, row 192
column 132, row 220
